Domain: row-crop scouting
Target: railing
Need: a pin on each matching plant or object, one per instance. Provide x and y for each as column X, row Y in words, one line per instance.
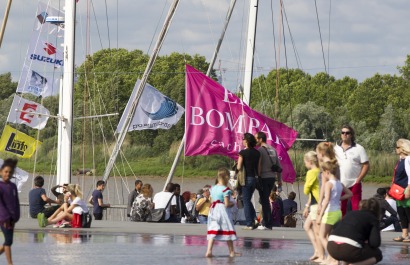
column 114, row 213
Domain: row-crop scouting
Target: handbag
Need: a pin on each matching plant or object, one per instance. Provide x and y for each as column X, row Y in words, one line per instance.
column 240, row 175
column 396, row 191
column 158, row 215
column 290, row 220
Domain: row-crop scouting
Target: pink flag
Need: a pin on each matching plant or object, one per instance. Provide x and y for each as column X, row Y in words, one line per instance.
column 216, row 120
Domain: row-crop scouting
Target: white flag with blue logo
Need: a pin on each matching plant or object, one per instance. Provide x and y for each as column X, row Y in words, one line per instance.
column 154, row 111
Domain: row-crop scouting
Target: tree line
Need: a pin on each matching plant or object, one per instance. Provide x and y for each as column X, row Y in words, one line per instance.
column 314, row 105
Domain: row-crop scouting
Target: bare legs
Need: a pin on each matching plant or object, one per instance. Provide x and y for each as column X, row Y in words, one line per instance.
column 324, row 234
column 231, row 248
column 210, row 246
column 312, row 230
column 7, row 251
column 61, row 216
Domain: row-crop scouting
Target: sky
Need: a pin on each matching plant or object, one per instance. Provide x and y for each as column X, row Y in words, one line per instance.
column 365, row 37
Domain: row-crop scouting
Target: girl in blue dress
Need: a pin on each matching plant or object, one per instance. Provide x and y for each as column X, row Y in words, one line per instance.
column 220, row 224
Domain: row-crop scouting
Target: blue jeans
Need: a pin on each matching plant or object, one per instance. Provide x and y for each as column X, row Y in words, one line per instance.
column 203, row 219
column 247, row 192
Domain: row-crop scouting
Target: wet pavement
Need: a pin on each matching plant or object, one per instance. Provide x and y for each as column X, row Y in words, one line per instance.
column 83, row 247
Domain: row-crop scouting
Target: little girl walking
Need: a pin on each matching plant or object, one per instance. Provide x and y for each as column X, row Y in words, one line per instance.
column 330, row 212
column 220, row 224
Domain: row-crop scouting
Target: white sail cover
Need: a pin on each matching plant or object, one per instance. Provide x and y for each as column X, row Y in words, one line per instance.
column 23, row 116
column 154, row 111
column 19, row 178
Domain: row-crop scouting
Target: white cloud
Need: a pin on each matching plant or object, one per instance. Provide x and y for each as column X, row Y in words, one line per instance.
column 363, row 33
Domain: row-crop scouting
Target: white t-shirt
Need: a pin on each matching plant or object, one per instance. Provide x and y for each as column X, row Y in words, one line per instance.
column 350, row 162
column 81, row 206
column 161, row 199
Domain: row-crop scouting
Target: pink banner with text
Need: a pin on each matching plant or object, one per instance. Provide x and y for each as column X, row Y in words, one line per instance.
column 216, row 119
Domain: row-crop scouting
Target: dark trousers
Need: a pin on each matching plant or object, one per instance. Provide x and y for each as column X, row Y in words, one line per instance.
column 247, row 192
column 348, row 253
column 391, row 220
column 98, row 216
column 47, row 211
column 266, row 185
column 404, row 215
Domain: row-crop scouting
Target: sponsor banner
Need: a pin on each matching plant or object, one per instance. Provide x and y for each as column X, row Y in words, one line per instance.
column 47, row 13
column 45, row 51
column 216, row 120
column 154, row 110
column 23, row 116
column 19, row 178
column 38, row 84
column 18, row 143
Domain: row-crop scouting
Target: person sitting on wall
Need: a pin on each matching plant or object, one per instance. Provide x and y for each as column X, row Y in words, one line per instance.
column 38, row 199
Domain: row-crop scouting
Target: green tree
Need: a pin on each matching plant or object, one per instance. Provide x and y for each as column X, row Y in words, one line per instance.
column 7, row 86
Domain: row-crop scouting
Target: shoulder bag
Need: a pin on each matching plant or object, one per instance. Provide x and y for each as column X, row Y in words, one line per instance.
column 158, row 215
column 396, row 191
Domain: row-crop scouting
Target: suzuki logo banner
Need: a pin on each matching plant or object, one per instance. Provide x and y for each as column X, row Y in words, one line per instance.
column 216, row 120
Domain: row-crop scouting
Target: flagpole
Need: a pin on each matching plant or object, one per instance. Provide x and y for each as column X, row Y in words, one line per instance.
column 250, row 50
column 208, row 73
column 65, row 125
column 3, row 25
column 140, row 89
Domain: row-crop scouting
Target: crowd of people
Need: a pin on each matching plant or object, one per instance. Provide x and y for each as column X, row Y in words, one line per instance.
column 341, row 225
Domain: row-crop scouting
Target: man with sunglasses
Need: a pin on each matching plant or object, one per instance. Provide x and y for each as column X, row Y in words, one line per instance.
column 354, row 165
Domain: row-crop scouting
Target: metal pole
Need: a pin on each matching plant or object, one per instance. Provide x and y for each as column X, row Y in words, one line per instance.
column 130, row 114
column 66, row 110
column 250, row 50
column 3, row 25
column 208, row 73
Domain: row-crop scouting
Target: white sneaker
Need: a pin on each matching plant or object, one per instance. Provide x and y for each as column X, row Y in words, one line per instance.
column 261, row 227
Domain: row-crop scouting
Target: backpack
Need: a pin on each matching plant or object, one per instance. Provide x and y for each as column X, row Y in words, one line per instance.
column 133, row 214
column 194, row 212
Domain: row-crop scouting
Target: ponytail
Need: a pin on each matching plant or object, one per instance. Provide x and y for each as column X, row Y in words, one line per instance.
column 75, row 190
column 332, row 166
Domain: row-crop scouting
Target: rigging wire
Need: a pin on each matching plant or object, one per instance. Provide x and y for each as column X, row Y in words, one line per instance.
column 320, row 36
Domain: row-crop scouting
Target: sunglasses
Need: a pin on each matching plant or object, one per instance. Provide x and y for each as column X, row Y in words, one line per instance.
column 347, row 133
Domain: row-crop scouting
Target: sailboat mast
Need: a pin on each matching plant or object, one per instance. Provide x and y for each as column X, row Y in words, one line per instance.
column 140, row 89
column 65, row 123
column 250, row 50
column 3, row 25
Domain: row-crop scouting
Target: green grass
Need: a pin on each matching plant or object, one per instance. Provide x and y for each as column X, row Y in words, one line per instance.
column 144, row 162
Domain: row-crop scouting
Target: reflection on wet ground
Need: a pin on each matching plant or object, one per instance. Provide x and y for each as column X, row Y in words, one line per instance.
column 70, row 247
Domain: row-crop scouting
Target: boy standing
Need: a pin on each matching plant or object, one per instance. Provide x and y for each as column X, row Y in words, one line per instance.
column 97, row 200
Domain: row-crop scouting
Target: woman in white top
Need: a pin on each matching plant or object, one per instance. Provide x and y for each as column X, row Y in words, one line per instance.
column 77, row 206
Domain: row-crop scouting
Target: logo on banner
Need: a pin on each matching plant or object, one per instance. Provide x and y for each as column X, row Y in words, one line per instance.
column 25, row 114
column 15, row 146
column 37, row 83
column 50, row 49
column 42, row 17
column 167, row 109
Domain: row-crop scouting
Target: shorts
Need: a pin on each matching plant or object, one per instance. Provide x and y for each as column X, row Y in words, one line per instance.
column 313, row 212
column 351, row 254
column 332, row 218
column 8, row 236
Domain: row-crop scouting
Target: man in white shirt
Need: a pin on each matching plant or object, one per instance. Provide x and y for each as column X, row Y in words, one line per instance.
column 161, row 200
column 354, row 165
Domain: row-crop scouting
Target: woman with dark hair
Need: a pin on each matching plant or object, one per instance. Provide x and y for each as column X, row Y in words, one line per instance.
column 249, row 158
column 9, row 206
column 401, row 178
column 356, row 238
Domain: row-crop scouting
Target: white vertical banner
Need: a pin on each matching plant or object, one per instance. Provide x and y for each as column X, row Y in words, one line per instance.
column 37, row 83
column 45, row 51
column 20, row 113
